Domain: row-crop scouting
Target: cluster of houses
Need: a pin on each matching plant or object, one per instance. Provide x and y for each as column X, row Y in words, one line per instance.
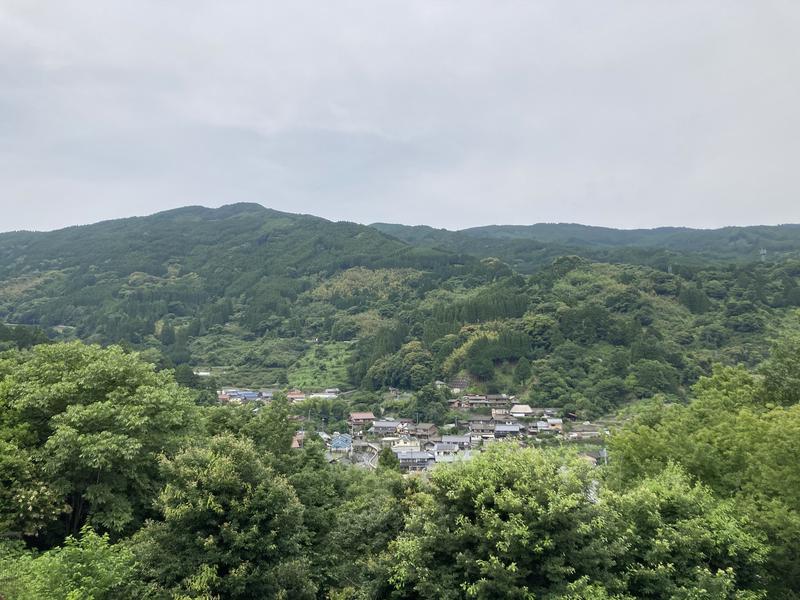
column 419, row 446
column 417, row 450
column 242, row 396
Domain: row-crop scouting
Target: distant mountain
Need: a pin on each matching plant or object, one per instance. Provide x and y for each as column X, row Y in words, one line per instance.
column 223, row 242
column 240, row 268
column 261, row 297
column 528, row 247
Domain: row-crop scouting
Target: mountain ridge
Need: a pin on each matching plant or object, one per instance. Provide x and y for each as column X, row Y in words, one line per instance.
column 265, row 297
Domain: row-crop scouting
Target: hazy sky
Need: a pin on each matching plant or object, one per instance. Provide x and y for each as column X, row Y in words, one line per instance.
column 451, row 113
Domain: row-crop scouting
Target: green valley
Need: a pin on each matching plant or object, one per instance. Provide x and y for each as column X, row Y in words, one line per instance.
column 614, row 417
column 262, row 298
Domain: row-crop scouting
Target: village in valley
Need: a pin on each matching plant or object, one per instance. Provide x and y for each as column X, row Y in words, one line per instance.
column 479, row 420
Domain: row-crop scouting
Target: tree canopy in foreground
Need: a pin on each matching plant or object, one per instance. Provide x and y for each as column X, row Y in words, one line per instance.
column 116, row 485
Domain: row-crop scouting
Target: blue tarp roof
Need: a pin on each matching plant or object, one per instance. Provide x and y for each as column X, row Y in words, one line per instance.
column 342, row 442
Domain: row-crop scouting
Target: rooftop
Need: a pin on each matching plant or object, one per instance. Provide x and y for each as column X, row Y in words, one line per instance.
column 362, row 415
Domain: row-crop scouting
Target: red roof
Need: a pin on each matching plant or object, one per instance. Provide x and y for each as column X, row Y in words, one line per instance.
column 362, row 416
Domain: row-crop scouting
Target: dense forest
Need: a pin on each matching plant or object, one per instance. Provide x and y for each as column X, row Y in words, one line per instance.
column 528, row 247
column 117, row 485
column 121, row 476
column 262, row 298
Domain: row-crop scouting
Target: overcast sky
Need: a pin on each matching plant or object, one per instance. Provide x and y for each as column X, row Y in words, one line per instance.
column 448, row 113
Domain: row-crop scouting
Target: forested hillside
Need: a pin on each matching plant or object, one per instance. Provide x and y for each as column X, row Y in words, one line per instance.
column 528, row 247
column 122, row 477
column 267, row 298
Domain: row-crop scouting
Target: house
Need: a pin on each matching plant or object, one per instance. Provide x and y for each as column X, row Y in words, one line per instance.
column 462, row 441
column 335, row 391
column 295, row 395
column 503, row 415
column 237, row 396
column 415, row 461
column 549, row 424
column 509, row 420
column 504, row 431
column 478, row 418
column 267, row 394
column 538, row 411
column 443, row 449
column 499, row 400
column 385, row 427
column 555, row 424
column 322, row 396
column 341, row 442
column 543, row 411
column 521, row 411
column 423, row 431
column 406, row 444
column 474, row 401
column 359, row 419
column 483, row 427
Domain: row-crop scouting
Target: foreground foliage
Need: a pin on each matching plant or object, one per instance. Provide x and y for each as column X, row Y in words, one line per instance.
column 526, row 524
column 699, row 501
column 82, row 429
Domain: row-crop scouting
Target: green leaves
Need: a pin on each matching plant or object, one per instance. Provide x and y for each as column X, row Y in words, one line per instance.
column 782, row 372
column 88, row 568
column 738, row 439
column 27, row 501
column 231, row 527
column 498, row 526
column 516, row 523
column 676, row 533
column 93, row 422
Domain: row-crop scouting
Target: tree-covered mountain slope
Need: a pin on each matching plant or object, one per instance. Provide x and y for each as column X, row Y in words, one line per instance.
column 262, row 297
column 529, row 247
column 232, row 276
